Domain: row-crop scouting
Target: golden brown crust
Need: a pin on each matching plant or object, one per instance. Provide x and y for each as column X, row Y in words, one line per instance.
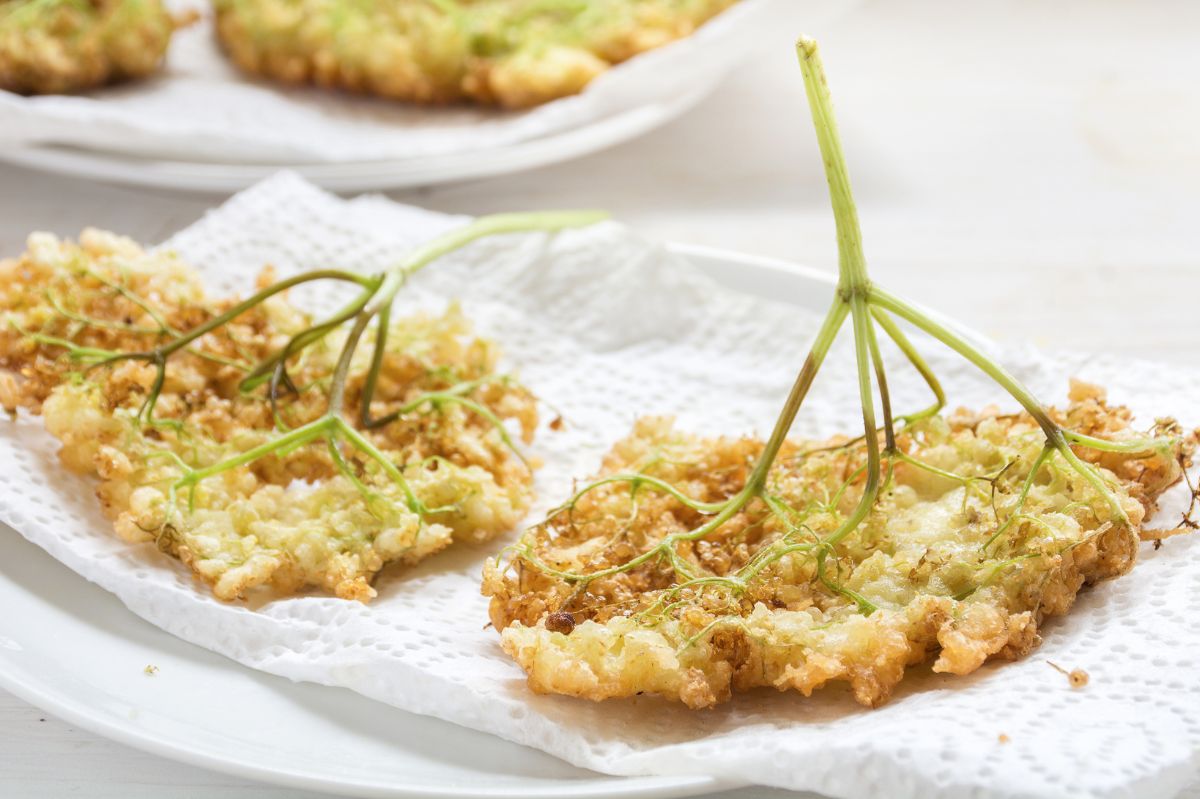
column 288, row 520
column 509, row 53
column 63, row 46
column 947, row 586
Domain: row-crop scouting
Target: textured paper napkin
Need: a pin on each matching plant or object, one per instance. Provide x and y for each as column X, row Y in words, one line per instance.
column 606, row 326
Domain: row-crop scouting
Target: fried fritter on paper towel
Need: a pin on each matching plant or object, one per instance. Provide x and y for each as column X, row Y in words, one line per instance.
column 62, row 46
column 289, row 520
column 511, row 53
column 958, row 568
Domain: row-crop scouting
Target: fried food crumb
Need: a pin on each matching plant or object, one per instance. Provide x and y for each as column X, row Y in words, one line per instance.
column 1002, row 738
column 947, row 577
column 1077, row 678
column 292, row 520
column 560, row 622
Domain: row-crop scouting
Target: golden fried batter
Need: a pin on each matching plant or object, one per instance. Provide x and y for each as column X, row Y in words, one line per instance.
column 510, row 53
column 63, row 46
column 293, row 518
column 951, row 564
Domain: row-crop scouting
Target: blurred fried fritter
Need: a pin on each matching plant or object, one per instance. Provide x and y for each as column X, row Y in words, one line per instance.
column 63, row 46
column 292, row 519
column 948, row 578
column 510, row 53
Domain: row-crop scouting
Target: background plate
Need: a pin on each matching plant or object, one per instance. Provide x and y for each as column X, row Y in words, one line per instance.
column 361, row 175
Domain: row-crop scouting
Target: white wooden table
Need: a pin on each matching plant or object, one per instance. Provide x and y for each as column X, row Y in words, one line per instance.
column 1028, row 167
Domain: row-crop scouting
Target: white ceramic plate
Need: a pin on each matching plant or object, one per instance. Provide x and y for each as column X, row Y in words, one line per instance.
column 356, row 176
column 201, row 125
column 71, row 649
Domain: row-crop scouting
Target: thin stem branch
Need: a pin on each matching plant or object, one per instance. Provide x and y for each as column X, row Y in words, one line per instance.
column 897, row 336
column 852, row 265
column 382, row 331
column 867, row 305
column 901, row 308
column 804, row 380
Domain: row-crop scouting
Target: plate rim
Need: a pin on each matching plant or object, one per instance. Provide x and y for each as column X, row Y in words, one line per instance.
column 357, row 176
column 605, row 786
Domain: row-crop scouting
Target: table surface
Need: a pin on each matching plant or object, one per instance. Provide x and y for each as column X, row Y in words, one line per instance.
column 1027, row 167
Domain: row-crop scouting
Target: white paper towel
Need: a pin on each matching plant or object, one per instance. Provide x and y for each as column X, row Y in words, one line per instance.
column 201, row 108
column 606, row 326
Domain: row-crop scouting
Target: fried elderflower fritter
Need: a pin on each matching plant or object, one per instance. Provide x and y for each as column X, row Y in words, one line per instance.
column 217, row 428
column 510, row 53
column 694, row 568
column 958, row 561
column 63, row 46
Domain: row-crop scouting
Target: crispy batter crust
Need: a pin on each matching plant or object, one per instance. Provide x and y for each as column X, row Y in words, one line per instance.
column 511, row 53
column 63, row 46
column 922, row 557
column 287, row 521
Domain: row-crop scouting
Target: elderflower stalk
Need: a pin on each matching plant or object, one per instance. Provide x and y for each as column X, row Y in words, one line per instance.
column 866, row 305
column 853, row 282
column 371, row 306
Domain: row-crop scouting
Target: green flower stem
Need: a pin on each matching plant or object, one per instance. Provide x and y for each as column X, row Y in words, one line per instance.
column 395, row 278
column 455, row 393
column 890, row 302
column 862, row 337
column 1092, row 475
column 1046, row 453
column 808, row 372
column 436, row 398
column 459, row 237
column 382, row 331
column 744, row 576
column 762, row 467
column 146, row 412
column 897, row 336
column 274, row 367
column 862, row 321
column 159, row 355
column 1054, row 434
column 636, row 481
column 337, row 384
column 852, row 265
column 867, row 305
column 103, row 324
column 885, row 399
column 360, row 441
column 376, row 300
column 133, row 297
column 257, row 299
column 343, row 466
column 161, row 330
column 301, row 435
column 835, row 502
column 1136, row 445
column 900, row 455
column 74, row 351
column 373, row 303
